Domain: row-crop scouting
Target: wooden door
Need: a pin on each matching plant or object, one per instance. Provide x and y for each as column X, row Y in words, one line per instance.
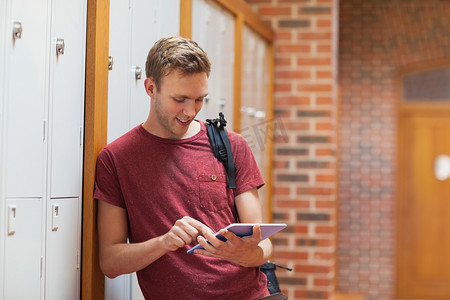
column 423, row 237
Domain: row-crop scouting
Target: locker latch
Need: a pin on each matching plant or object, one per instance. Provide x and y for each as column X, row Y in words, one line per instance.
column 60, row 46
column 12, row 219
column 110, row 62
column 55, row 217
column 138, row 72
column 17, row 30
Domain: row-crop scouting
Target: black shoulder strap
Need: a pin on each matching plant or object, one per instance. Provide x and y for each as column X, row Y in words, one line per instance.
column 221, row 146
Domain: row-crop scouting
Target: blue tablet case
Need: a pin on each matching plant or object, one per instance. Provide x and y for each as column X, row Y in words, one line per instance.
column 246, row 229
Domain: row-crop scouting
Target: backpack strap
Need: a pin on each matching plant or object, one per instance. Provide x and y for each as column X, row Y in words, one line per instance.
column 221, row 146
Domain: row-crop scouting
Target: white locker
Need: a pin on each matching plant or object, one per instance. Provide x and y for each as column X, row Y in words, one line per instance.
column 213, row 30
column 119, row 74
column 66, row 105
column 255, row 79
column 135, row 26
column 63, row 249
column 26, row 92
column 141, row 23
column 41, row 109
column 151, row 20
column 23, row 249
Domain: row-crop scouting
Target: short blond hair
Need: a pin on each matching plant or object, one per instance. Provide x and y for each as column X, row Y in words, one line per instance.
column 175, row 53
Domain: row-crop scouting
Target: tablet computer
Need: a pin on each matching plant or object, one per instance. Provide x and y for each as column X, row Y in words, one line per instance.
column 246, row 229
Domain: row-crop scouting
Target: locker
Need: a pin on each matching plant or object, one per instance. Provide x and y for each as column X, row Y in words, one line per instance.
column 141, row 23
column 150, row 21
column 63, row 249
column 42, row 50
column 213, row 30
column 26, row 124
column 119, row 73
column 66, row 100
column 23, row 249
column 255, row 80
column 135, row 26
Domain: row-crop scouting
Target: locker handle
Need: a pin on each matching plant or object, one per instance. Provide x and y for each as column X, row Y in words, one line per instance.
column 55, row 217
column 110, row 62
column 60, row 46
column 138, row 73
column 12, row 210
column 17, row 30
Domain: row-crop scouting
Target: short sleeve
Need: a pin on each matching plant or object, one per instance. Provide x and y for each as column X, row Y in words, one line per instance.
column 107, row 186
column 248, row 175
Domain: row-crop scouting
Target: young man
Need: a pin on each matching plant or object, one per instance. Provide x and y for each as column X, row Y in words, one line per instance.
column 160, row 187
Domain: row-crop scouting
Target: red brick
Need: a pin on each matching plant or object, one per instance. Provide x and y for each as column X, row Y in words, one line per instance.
column 322, row 282
column 292, row 255
column 324, row 48
column 315, row 191
column 296, row 125
column 281, row 35
column 314, row 36
column 292, row 204
column 314, row 61
column 324, row 23
column 314, row 269
column 324, row 100
column 324, row 75
column 314, row 88
column 274, row 11
column 283, row 61
column 292, row 74
column 293, row 100
column 324, row 126
column 324, row 229
column 293, row 49
column 283, row 87
column 325, row 178
column 281, row 191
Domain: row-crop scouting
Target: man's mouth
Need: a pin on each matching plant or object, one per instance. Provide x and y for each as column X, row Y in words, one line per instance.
column 183, row 122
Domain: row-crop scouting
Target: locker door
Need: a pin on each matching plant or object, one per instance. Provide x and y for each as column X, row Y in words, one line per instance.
column 67, row 100
column 255, row 81
column 119, row 74
column 151, row 20
column 23, row 248
column 26, row 99
column 213, row 30
column 62, row 249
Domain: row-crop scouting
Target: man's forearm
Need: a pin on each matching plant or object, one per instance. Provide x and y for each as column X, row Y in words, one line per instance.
column 122, row 259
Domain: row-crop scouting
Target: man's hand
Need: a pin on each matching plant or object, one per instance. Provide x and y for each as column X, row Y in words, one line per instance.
column 184, row 232
column 244, row 251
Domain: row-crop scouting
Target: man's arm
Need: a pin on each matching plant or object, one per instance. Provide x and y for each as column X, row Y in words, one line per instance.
column 117, row 257
column 248, row 251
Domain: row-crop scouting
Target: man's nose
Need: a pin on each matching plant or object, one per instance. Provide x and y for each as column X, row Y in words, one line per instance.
column 190, row 109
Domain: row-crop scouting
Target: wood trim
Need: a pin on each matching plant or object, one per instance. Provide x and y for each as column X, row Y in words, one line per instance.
column 186, row 18
column 95, row 125
column 241, row 8
column 238, row 32
column 270, row 141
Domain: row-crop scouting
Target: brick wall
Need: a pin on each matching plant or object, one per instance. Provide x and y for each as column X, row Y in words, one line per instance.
column 377, row 39
column 304, row 174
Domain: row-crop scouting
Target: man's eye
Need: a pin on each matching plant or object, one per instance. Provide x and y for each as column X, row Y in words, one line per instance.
column 178, row 100
column 200, row 99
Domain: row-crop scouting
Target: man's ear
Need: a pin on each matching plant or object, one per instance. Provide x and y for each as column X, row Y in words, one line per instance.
column 150, row 87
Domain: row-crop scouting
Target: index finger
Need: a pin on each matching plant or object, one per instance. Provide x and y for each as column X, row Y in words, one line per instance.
column 199, row 226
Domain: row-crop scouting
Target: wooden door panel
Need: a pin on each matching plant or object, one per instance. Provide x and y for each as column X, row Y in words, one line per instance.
column 424, row 209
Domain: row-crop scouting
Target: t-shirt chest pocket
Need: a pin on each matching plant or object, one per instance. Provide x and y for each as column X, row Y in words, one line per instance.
column 213, row 191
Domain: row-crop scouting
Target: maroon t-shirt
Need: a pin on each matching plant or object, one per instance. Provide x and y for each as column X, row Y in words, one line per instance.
column 158, row 181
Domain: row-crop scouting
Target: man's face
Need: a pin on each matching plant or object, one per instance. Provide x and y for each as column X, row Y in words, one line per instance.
column 176, row 103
